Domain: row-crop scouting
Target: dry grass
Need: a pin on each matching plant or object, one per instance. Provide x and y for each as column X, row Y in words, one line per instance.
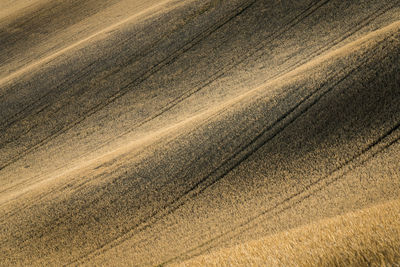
column 369, row 237
column 143, row 132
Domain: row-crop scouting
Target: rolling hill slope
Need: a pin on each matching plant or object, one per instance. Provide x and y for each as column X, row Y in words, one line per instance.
column 143, row 133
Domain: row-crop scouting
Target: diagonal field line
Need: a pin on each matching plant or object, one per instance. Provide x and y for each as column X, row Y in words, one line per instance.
column 154, row 69
column 74, row 45
column 305, row 13
column 171, row 206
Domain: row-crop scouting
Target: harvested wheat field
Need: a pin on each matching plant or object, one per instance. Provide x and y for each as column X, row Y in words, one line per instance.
column 199, row 133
